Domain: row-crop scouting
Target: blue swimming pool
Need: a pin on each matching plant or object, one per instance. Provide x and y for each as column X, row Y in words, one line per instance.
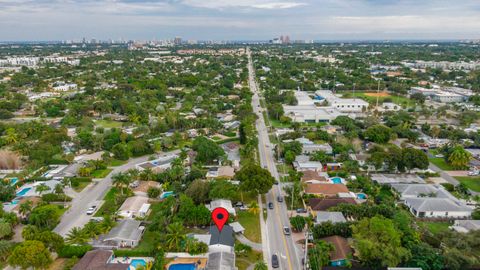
column 23, row 191
column 336, row 180
column 13, row 180
column 361, row 196
column 166, row 194
column 137, row 262
column 182, row 266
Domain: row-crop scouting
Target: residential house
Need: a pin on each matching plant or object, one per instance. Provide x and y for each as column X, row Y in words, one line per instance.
column 221, row 254
column 227, row 172
column 227, row 204
column 309, row 147
column 388, row 179
column 323, row 204
column 421, row 190
column 127, row 233
column 99, row 260
column 342, row 250
column 303, row 163
column 135, row 206
column 158, row 165
column 141, row 187
column 437, row 208
column 326, row 190
column 325, row 216
column 314, row 177
column 465, row 226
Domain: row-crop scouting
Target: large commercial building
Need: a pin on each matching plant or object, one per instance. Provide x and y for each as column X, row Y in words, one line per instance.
column 309, row 110
column 444, row 95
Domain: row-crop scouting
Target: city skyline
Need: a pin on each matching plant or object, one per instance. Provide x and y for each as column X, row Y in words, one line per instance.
column 27, row 20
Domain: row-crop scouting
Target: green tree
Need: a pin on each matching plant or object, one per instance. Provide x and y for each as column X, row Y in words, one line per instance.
column 5, row 249
column 425, row 257
column 255, row 179
column 319, row 255
column 120, row 151
column 42, row 188
column 378, row 134
column 121, row 180
column 458, row 157
column 5, row 229
column 260, row 266
column 298, row 223
column 207, row 150
column 175, row 235
column 44, row 217
column 77, row 236
column 414, row 158
column 222, row 189
column 378, row 243
column 198, row 190
column 30, row 253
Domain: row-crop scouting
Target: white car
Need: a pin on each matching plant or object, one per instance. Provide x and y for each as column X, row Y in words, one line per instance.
column 473, row 173
column 91, row 210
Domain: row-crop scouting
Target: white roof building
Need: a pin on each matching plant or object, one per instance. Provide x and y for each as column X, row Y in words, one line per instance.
column 136, row 206
column 227, row 204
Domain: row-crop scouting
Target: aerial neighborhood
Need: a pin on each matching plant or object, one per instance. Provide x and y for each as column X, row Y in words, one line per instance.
column 325, row 156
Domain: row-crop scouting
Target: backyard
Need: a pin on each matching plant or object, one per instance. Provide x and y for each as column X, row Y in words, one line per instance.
column 472, row 183
column 435, row 227
column 251, row 223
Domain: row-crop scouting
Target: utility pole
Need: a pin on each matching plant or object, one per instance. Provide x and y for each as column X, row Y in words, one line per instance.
column 378, row 91
column 305, row 257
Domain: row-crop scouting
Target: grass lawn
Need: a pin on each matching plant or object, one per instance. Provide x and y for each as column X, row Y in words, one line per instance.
column 108, row 124
column 244, row 260
column 401, row 100
column 81, row 186
column 435, row 227
column 472, row 183
column 101, row 173
column 278, row 124
column 251, row 223
column 116, row 162
column 148, row 241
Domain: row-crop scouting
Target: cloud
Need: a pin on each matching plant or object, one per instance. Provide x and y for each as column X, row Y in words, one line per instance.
column 229, row 4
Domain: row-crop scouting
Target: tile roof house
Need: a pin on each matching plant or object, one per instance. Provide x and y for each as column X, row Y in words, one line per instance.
column 99, row 260
column 437, row 208
column 465, row 226
column 339, row 256
column 325, row 216
column 323, row 204
column 328, row 190
column 314, row 177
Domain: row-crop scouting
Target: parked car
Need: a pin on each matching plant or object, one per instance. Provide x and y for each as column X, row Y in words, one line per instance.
column 91, row 210
column 280, row 199
column 301, row 210
column 275, row 263
column 276, row 182
column 270, row 205
column 286, row 230
column 473, row 173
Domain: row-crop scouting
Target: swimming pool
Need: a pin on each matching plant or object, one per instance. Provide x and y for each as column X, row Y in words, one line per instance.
column 137, row 262
column 182, row 266
column 361, row 196
column 13, row 180
column 166, row 194
column 336, row 180
column 23, row 191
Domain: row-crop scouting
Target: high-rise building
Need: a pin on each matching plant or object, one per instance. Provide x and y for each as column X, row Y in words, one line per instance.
column 177, row 41
column 286, row 40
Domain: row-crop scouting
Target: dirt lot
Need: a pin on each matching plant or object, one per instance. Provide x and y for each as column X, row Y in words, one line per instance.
column 380, row 94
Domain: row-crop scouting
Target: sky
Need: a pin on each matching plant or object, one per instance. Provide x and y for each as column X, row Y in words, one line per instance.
column 32, row 20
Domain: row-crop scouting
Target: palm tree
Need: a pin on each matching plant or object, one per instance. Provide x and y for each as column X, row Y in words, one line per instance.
column 189, row 244
column 147, row 175
column 175, row 235
column 134, row 173
column 459, row 158
column 58, row 188
column 260, row 266
column 41, row 188
column 92, row 229
column 77, row 236
column 11, row 136
column 253, row 208
column 25, row 208
column 120, row 180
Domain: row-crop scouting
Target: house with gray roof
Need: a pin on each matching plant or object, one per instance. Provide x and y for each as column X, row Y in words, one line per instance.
column 325, row 216
column 388, row 179
column 421, row 190
column 127, row 233
column 465, row 226
column 428, row 207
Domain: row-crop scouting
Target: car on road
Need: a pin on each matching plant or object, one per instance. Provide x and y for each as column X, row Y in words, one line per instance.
column 286, row 230
column 473, row 173
column 91, row 210
column 280, row 199
column 276, row 182
column 275, row 263
column 301, row 210
column 270, row 205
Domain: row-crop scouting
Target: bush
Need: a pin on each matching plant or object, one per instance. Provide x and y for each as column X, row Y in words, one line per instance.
column 77, row 180
column 153, row 192
column 449, row 187
column 52, row 197
column 70, row 251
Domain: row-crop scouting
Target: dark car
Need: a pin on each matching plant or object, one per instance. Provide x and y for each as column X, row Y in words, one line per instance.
column 286, row 230
column 276, row 182
column 280, row 199
column 270, row 205
column 301, row 210
column 275, row 263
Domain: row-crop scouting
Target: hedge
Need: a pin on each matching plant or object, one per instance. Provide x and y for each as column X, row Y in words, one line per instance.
column 52, row 197
column 132, row 253
column 69, row 251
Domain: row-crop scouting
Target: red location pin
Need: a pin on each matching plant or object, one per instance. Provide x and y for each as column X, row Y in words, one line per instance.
column 220, row 217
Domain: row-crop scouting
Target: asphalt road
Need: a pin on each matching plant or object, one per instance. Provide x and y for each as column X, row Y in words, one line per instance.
column 278, row 243
column 93, row 195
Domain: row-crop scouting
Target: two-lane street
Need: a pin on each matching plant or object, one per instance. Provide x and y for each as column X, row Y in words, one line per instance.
column 277, row 243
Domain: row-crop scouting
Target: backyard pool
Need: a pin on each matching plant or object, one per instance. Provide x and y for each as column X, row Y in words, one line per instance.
column 166, row 194
column 337, row 180
column 361, row 196
column 23, row 191
column 13, row 180
column 138, row 262
column 182, row 266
